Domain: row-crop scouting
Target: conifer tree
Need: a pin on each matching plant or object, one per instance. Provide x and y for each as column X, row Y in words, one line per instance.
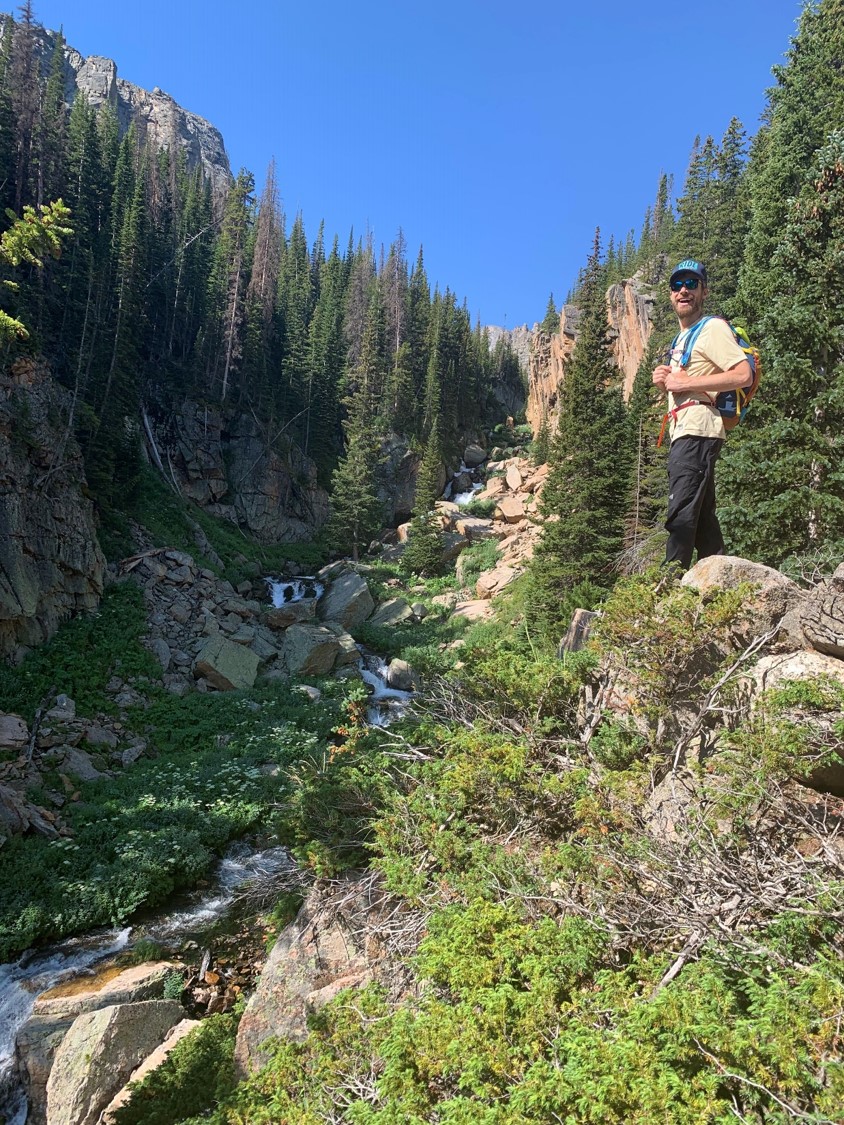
column 551, row 320
column 585, row 497
column 783, row 480
column 424, row 551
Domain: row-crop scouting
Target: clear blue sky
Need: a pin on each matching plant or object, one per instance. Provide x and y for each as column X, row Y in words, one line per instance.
column 497, row 135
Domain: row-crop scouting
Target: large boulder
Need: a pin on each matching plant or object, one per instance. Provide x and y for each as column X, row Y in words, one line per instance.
column 225, row 665
column 310, row 650
column 321, row 952
column 347, row 600
column 400, row 675
column 475, row 528
column 774, row 671
column 474, row 455
column 775, row 602
column 149, row 1064
column 14, row 733
column 823, row 616
column 99, row 1053
column 55, row 1010
column 510, row 509
column 492, row 582
column 280, row 617
column 392, row 612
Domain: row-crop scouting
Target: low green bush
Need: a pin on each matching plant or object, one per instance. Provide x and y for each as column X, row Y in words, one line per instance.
column 82, row 657
column 197, row 1074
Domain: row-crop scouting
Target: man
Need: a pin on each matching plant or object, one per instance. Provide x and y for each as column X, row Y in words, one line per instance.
column 716, row 364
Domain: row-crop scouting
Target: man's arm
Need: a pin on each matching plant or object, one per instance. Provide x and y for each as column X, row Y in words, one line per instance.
column 741, row 375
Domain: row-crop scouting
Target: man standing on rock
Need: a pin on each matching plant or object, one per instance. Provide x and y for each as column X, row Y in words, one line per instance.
column 716, row 364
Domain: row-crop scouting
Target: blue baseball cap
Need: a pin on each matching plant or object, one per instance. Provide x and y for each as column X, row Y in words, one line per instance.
column 689, row 265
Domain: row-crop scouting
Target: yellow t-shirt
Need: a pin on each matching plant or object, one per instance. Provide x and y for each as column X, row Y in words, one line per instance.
column 715, row 349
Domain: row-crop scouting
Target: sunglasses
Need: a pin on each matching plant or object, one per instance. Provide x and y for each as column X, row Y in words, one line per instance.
column 690, row 283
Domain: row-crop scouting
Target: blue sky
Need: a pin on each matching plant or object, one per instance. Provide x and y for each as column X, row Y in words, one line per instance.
column 497, row 135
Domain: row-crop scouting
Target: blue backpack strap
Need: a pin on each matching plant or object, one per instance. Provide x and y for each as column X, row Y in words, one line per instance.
column 691, row 340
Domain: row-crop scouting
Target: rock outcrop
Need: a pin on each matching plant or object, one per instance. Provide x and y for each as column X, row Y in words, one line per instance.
column 51, row 565
column 221, row 460
column 99, row 1052
column 55, row 1012
column 156, row 115
column 629, row 308
column 335, row 942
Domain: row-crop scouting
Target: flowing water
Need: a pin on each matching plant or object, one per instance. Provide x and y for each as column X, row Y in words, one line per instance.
column 38, row 970
column 188, row 918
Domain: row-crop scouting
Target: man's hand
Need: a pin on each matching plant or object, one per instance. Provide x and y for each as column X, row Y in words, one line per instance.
column 660, row 375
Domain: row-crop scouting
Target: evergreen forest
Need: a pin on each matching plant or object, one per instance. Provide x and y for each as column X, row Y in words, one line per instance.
column 604, row 885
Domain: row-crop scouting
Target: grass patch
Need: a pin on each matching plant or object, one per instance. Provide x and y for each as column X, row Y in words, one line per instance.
column 82, row 657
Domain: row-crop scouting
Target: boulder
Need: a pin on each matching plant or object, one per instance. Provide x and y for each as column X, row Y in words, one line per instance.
column 493, row 488
column 17, row 816
column 348, row 653
column 54, row 1012
column 775, row 601
column 400, row 675
column 161, row 651
column 480, row 610
column 150, row 1063
column 453, row 544
column 310, row 650
column 773, row 671
column 513, row 478
column 14, row 733
column 491, row 582
column 474, row 528
column 291, row 613
column 392, row 612
column 823, row 616
column 473, row 455
column 99, row 1053
column 225, row 665
column 347, row 600
column 537, row 479
column 510, row 509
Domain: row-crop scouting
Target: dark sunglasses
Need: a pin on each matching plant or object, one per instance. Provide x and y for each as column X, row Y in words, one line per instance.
column 690, row 283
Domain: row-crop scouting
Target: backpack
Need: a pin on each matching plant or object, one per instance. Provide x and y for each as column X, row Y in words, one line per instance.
column 732, row 405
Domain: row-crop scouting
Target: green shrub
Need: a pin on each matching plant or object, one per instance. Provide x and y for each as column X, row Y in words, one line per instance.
column 82, row 657
column 197, row 1074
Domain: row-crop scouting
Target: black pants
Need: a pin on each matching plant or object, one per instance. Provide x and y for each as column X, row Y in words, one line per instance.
column 691, row 520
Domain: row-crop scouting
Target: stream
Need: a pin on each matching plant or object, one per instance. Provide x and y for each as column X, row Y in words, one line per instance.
column 190, row 916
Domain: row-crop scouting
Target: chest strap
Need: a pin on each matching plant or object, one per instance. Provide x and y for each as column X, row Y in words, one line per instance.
column 675, row 410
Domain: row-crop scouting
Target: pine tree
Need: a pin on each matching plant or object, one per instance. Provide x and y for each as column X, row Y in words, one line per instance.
column 357, row 510
column 804, row 107
column 551, row 320
column 585, row 497
column 424, row 551
column 783, row 477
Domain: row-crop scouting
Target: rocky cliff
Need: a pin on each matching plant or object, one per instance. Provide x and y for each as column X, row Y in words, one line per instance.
column 629, row 305
column 51, row 565
column 223, row 461
column 157, row 117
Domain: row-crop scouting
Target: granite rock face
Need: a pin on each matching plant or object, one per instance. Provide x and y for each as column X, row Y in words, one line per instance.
column 51, row 565
column 158, row 119
column 629, row 308
column 221, row 461
column 99, row 1053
